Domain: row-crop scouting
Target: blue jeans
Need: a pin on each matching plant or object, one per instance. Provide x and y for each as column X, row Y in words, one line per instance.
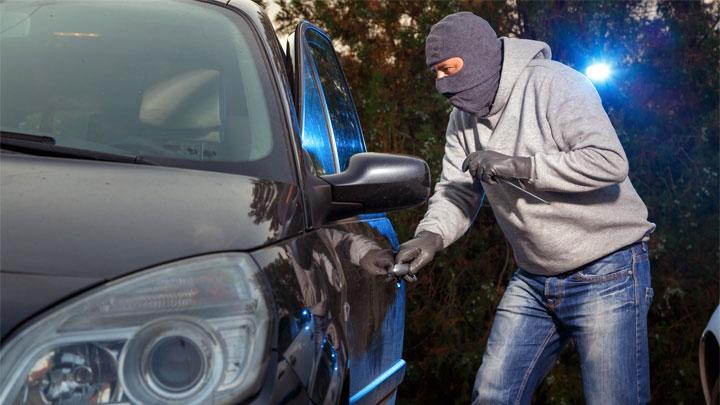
column 602, row 307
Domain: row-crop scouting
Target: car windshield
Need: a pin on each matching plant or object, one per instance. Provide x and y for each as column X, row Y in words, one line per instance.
column 183, row 83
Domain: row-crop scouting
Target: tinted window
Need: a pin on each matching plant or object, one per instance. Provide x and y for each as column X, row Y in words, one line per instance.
column 315, row 136
column 185, row 82
column 348, row 139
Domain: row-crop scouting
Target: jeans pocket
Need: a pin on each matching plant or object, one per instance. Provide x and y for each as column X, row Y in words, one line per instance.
column 611, row 267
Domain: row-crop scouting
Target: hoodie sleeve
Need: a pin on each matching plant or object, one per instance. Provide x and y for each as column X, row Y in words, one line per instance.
column 591, row 155
column 455, row 202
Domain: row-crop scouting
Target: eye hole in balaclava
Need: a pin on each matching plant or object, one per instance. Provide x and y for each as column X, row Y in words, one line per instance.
column 469, row 37
column 448, row 67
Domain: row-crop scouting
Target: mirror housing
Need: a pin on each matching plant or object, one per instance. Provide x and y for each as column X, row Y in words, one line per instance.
column 375, row 183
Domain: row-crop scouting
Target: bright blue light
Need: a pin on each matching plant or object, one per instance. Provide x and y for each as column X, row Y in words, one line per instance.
column 598, row 72
column 396, row 368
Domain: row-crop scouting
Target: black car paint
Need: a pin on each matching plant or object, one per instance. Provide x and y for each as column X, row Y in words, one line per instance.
column 367, row 312
column 99, row 220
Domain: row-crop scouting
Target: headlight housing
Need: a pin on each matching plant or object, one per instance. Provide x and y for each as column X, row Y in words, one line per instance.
column 190, row 332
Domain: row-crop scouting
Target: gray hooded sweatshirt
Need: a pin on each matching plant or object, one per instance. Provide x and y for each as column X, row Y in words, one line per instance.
column 553, row 114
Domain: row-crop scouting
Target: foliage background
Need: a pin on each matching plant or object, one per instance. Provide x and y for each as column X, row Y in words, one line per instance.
column 664, row 102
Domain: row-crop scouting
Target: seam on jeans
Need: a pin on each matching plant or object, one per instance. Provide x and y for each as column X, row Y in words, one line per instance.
column 532, row 364
column 634, row 274
column 637, row 337
column 559, row 298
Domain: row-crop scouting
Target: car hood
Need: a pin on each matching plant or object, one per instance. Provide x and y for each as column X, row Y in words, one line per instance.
column 80, row 218
column 95, row 221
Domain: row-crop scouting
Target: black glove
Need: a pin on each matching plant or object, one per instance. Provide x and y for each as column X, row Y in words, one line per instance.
column 378, row 262
column 419, row 252
column 486, row 165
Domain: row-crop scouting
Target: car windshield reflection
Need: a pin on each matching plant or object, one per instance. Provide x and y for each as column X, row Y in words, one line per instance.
column 187, row 84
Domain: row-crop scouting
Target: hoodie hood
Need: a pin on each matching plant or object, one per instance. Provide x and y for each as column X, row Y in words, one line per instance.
column 517, row 53
column 471, row 38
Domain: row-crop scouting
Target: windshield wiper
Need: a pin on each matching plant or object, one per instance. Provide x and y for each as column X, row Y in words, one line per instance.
column 39, row 145
column 28, row 137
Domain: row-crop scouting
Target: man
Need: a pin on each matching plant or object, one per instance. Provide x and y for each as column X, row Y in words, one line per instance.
column 520, row 117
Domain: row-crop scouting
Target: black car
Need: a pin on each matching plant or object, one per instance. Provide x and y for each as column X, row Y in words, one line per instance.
column 184, row 209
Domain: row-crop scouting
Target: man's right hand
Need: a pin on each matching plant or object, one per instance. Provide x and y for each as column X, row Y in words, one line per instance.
column 486, row 165
column 419, row 251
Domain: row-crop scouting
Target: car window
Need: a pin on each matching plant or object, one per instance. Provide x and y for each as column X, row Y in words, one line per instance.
column 187, row 83
column 315, row 137
column 338, row 99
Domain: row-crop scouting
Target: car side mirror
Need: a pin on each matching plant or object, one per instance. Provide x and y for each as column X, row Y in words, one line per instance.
column 377, row 182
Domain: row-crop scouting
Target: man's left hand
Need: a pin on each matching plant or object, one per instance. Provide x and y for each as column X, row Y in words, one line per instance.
column 487, row 165
column 378, row 262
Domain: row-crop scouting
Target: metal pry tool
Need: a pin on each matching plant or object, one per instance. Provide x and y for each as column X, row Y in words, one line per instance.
column 522, row 189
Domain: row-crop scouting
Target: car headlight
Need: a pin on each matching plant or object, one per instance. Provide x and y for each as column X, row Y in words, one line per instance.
column 190, row 332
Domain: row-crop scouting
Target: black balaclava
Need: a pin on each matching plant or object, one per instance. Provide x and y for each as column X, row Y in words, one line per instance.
column 469, row 37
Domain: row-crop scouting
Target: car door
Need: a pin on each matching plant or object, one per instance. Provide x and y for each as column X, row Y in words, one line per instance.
column 374, row 310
